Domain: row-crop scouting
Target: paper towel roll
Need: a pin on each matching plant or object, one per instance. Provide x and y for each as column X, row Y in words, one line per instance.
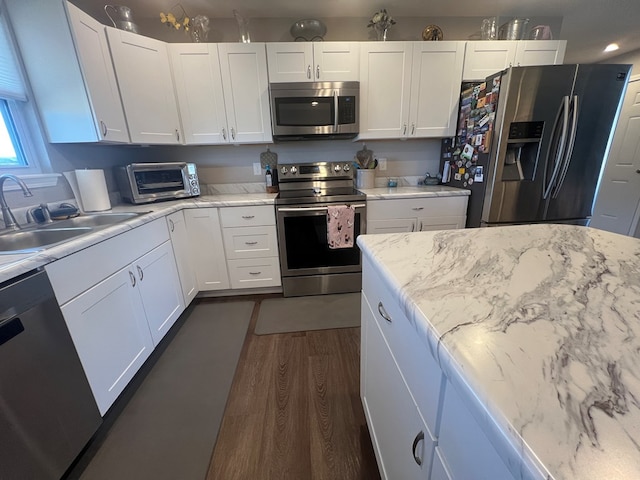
column 93, row 190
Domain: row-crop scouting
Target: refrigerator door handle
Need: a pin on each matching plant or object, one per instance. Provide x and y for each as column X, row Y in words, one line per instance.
column 569, row 152
column 563, row 112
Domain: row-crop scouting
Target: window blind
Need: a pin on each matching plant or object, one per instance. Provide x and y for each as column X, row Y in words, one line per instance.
column 11, row 82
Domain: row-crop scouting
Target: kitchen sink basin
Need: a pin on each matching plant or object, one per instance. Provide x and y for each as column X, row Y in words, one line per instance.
column 37, row 239
column 96, row 220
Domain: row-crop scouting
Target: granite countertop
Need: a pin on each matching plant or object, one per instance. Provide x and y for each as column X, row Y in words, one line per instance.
column 12, row 265
column 538, row 327
column 381, row 193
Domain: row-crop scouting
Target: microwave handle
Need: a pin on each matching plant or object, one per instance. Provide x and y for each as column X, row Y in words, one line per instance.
column 335, row 111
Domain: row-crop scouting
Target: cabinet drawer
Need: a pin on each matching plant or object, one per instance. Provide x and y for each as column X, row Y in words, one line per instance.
column 250, row 242
column 254, row 273
column 419, row 368
column 416, row 207
column 247, row 216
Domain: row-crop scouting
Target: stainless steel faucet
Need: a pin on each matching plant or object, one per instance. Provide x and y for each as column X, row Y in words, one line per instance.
column 9, row 220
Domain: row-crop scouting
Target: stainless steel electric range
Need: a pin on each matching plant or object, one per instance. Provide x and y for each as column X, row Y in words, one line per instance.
column 308, row 266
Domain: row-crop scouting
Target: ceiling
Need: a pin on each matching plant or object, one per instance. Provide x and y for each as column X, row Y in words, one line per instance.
column 587, row 25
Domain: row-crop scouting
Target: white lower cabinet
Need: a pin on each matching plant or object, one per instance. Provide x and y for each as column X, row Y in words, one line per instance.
column 180, row 241
column 416, row 214
column 117, row 310
column 251, row 246
column 206, row 248
column 402, row 442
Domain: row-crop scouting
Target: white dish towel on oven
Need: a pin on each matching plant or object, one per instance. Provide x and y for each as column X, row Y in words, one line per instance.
column 340, row 220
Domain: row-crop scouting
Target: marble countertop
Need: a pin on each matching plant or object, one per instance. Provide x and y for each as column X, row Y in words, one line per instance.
column 381, row 193
column 538, row 327
column 12, row 265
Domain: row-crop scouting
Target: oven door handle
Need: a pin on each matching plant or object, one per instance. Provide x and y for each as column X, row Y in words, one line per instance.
column 315, row 209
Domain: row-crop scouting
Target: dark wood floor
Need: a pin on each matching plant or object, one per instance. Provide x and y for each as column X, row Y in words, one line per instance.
column 294, row 410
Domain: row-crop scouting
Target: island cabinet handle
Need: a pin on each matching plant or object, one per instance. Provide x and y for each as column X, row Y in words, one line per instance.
column 255, row 273
column 133, row 278
column 104, row 128
column 383, row 313
column 172, row 225
column 417, row 209
column 140, row 272
column 416, row 441
column 248, row 217
column 250, row 243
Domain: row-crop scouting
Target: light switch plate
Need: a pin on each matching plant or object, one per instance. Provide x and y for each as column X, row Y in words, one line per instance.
column 257, row 169
column 382, row 163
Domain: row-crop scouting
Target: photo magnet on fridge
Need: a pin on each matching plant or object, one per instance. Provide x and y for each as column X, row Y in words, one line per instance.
column 479, row 174
column 467, row 152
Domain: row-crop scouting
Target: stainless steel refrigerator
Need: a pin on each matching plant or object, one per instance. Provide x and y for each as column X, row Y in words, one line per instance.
column 531, row 142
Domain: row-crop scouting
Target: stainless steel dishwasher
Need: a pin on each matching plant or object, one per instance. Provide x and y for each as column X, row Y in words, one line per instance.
column 47, row 411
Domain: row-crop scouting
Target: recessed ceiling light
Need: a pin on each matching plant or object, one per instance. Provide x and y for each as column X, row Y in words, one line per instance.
column 612, row 47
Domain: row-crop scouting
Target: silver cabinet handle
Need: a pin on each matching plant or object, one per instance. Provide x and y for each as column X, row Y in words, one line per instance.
column 133, row 278
column 420, row 227
column 413, row 129
column 417, row 209
column 404, row 129
column 255, row 273
column 233, row 133
column 309, row 72
column 104, row 128
column 177, row 135
column 248, row 217
column 140, row 272
column 416, row 441
column 172, row 226
column 383, row 313
column 318, row 71
column 224, row 133
column 250, row 243
column 413, row 227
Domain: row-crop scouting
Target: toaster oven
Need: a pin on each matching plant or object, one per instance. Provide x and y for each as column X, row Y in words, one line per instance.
column 152, row 182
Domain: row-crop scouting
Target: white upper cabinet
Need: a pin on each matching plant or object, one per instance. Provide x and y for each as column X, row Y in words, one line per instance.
column 198, row 83
column 484, row 58
column 144, row 75
column 67, row 60
column 246, row 91
column 313, row 61
column 435, row 88
column 409, row 89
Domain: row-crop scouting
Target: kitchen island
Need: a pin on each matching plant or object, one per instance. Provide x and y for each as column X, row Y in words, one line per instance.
column 535, row 333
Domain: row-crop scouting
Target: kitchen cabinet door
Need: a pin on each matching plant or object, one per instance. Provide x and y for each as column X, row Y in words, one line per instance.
column 198, row 82
column 110, row 332
column 404, row 447
column 97, row 69
column 160, row 291
column 426, row 224
column 486, row 57
column 180, row 241
column 144, row 75
column 246, row 91
column 436, row 76
column 391, row 225
column 540, row 52
column 207, row 249
column 67, row 61
column 385, row 87
column 313, row 61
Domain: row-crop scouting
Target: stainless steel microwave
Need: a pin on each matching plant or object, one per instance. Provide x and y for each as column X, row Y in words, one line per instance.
column 314, row 110
column 151, row 182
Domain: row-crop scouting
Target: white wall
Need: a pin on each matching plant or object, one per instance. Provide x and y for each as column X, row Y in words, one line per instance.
column 632, row 58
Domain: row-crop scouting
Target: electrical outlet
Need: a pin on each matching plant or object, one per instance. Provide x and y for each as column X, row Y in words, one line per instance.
column 382, row 163
column 257, row 169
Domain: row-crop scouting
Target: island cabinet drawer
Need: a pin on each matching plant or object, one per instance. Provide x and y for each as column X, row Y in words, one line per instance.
column 247, row 216
column 250, row 242
column 416, row 207
column 419, row 368
column 254, row 273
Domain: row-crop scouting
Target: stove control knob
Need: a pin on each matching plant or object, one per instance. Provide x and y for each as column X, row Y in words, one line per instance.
column 337, row 168
column 284, row 170
column 346, row 167
column 294, row 170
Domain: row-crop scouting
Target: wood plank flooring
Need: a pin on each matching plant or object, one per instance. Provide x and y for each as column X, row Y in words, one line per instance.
column 294, row 411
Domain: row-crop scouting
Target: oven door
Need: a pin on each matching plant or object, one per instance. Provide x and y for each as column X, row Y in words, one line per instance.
column 303, row 246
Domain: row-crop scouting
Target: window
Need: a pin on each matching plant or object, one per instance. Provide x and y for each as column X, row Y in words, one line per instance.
column 11, row 153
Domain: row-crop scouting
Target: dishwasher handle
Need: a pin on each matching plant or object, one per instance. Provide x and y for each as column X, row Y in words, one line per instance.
column 10, row 327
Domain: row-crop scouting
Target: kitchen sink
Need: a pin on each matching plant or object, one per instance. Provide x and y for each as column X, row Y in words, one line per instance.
column 96, row 220
column 37, row 239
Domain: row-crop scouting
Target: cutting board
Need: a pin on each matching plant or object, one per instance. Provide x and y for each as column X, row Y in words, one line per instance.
column 268, row 158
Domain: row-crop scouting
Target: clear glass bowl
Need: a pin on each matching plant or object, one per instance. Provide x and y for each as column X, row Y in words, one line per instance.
column 309, row 30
